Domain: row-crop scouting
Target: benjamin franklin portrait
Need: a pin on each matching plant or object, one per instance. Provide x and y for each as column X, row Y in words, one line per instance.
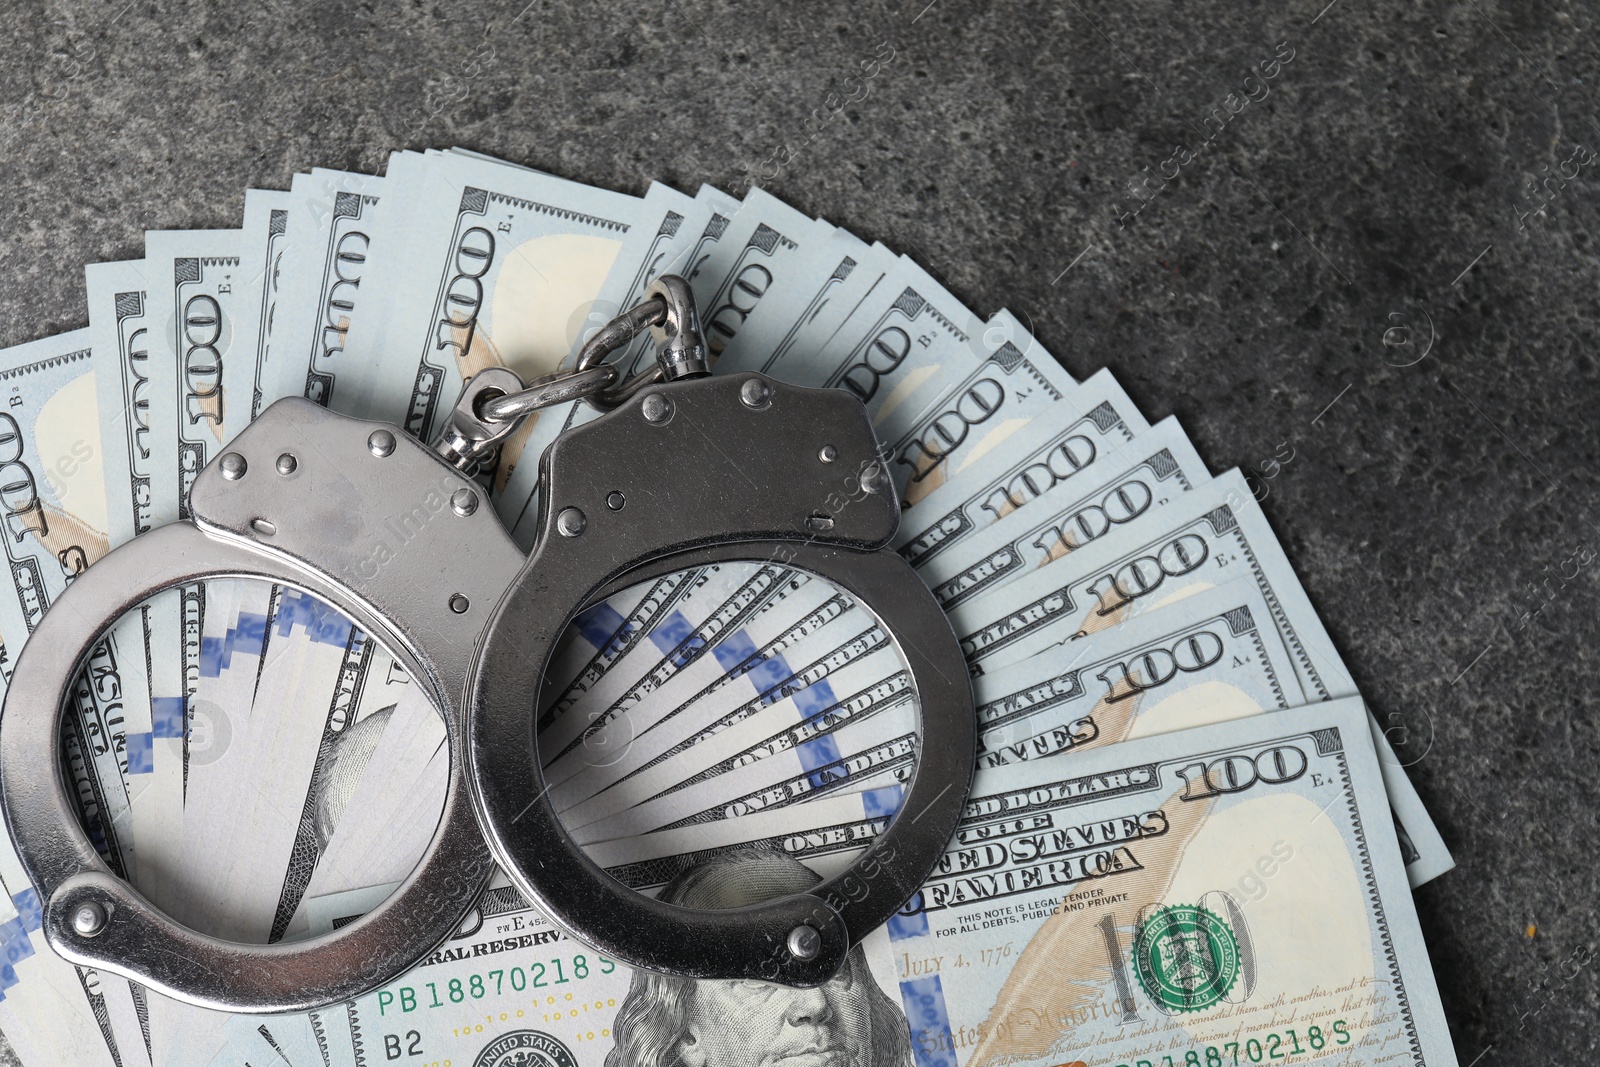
column 680, row 1022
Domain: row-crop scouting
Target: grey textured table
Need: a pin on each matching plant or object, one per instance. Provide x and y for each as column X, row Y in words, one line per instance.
column 1353, row 271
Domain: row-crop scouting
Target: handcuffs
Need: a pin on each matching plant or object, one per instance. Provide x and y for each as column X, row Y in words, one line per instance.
column 740, row 467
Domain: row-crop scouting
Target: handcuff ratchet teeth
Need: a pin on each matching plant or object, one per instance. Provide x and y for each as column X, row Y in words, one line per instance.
column 685, row 470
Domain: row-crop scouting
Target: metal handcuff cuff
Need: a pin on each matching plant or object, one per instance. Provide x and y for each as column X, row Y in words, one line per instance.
column 738, row 468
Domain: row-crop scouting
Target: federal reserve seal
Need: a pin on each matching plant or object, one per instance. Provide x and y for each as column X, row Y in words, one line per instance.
column 525, row 1048
column 1187, row 958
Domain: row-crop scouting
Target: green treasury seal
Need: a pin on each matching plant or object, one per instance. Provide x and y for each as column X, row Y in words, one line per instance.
column 525, row 1048
column 1187, row 958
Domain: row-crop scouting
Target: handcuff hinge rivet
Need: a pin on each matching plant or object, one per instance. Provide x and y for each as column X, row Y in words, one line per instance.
column 828, row 454
column 755, row 393
column 571, row 522
column 233, row 466
column 459, row 604
column 464, row 502
column 89, row 918
column 287, row 464
column 657, row 408
column 380, row 443
column 804, row 943
column 615, row 500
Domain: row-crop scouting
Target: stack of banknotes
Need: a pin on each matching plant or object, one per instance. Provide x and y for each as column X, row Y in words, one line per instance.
column 1187, row 842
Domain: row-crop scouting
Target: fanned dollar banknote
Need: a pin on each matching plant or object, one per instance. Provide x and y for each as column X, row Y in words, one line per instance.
column 1187, row 842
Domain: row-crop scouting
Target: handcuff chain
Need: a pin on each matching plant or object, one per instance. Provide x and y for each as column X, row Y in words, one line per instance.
column 495, row 401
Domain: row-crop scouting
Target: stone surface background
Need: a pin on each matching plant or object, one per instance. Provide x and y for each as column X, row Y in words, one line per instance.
column 1352, row 290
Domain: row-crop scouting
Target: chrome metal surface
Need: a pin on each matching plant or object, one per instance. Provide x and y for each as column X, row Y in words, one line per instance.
column 615, row 336
column 680, row 343
column 571, row 522
column 467, row 436
column 89, row 919
column 656, row 408
column 494, row 403
column 755, row 394
column 668, row 312
column 545, row 392
column 804, row 943
column 681, row 513
column 331, row 536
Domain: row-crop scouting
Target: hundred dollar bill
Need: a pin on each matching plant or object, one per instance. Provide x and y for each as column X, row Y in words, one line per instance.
column 783, row 752
column 262, row 256
column 516, row 961
column 371, row 835
column 646, row 252
column 658, row 600
column 759, row 252
column 595, row 629
column 990, row 401
column 1173, row 860
column 357, row 818
column 812, row 670
column 278, row 1039
column 55, row 516
column 1149, row 902
column 195, row 277
column 831, row 834
column 796, row 653
column 721, row 600
column 332, row 215
column 898, row 350
column 55, row 508
column 490, row 268
column 1211, row 657
column 1160, row 468
column 787, row 325
column 1213, row 535
column 121, row 324
column 297, row 720
column 1029, row 849
column 1209, row 536
column 1088, row 429
column 218, row 772
column 766, row 613
column 698, row 237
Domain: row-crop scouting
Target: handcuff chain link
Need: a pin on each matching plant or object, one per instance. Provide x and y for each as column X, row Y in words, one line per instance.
column 495, row 401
